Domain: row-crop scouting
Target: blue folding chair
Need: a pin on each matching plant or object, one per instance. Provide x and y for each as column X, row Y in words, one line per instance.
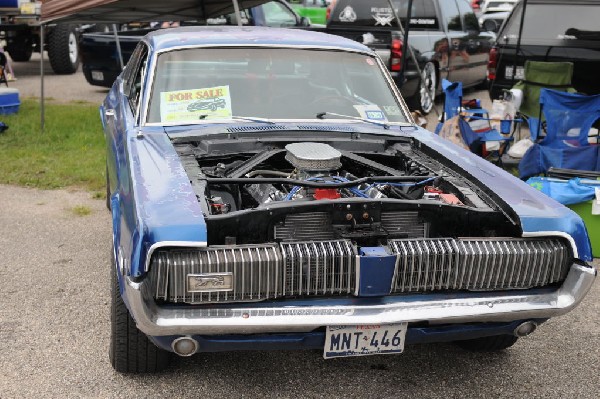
column 569, row 118
column 453, row 106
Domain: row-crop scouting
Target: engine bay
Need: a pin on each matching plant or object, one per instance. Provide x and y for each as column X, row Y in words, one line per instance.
column 309, row 190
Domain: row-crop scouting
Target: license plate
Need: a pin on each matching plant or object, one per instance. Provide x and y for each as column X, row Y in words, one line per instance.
column 97, row 75
column 361, row 340
column 508, row 73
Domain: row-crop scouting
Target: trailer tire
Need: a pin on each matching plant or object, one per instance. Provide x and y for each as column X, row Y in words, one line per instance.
column 63, row 49
column 21, row 51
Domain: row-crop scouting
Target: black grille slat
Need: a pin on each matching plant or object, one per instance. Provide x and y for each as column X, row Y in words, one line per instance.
column 326, row 128
column 478, row 264
column 406, row 223
column 254, row 128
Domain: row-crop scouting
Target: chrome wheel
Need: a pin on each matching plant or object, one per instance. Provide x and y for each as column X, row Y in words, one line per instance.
column 73, row 56
column 428, row 87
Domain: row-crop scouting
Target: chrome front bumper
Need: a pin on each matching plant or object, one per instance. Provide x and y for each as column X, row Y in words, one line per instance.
column 459, row 308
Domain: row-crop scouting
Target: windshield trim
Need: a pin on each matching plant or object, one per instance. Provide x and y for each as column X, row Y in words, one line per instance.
column 227, row 121
column 149, row 84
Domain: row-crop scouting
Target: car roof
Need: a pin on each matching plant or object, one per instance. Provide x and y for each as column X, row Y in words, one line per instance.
column 164, row 39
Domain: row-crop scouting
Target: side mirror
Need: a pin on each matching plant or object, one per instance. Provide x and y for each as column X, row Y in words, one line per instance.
column 305, row 21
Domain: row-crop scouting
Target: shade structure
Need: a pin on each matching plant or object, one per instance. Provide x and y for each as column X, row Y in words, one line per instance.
column 121, row 11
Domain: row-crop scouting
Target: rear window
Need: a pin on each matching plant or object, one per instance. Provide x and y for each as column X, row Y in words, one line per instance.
column 549, row 23
column 378, row 13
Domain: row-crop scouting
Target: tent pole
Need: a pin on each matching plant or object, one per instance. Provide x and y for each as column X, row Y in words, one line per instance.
column 238, row 16
column 406, row 33
column 118, row 42
column 412, row 53
column 42, row 105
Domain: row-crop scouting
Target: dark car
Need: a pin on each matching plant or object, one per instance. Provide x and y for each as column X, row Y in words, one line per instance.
column 553, row 30
column 444, row 35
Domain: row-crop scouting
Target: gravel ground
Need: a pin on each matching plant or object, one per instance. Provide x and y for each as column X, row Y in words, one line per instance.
column 54, row 330
column 54, row 323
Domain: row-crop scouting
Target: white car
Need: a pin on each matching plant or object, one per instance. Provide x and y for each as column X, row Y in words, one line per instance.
column 494, row 13
column 491, row 6
column 491, row 22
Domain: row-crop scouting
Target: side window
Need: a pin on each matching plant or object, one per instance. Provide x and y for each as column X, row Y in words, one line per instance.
column 137, row 78
column 278, row 15
column 470, row 20
column 450, row 14
column 131, row 66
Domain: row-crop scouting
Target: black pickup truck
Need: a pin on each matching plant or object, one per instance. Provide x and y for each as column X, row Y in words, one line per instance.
column 553, row 30
column 444, row 35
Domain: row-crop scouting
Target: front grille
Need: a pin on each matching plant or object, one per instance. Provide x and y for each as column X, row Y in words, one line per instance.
column 256, row 272
column 259, row 271
column 478, row 264
column 328, row 268
column 304, row 227
column 318, row 226
column 319, row 268
column 403, row 223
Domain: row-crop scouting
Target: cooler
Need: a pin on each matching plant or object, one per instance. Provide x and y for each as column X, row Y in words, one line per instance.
column 592, row 221
column 9, row 101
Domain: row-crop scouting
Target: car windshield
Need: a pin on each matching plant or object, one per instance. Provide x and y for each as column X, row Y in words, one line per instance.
column 549, row 23
column 203, row 84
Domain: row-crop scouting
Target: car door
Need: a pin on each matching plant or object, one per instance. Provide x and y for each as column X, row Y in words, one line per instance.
column 116, row 113
column 127, row 121
column 474, row 46
column 457, row 58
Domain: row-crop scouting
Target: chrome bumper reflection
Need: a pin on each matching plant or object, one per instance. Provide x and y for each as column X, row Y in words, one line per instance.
column 460, row 308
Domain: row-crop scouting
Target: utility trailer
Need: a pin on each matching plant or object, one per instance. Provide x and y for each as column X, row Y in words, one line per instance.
column 21, row 31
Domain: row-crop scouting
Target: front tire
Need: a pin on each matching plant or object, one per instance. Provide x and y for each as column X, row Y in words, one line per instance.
column 424, row 100
column 130, row 349
column 488, row 344
column 63, row 49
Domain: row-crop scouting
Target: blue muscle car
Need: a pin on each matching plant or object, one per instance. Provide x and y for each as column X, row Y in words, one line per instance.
column 309, row 211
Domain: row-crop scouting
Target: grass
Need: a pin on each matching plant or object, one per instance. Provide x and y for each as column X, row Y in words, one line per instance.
column 69, row 153
column 81, row 210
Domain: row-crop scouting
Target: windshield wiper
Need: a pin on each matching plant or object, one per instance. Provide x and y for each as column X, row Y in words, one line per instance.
column 244, row 118
column 322, row 115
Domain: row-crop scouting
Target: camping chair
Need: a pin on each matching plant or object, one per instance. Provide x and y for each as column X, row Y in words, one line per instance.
column 467, row 118
column 569, row 118
column 539, row 75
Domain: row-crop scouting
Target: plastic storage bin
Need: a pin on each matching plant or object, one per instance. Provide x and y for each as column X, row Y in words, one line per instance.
column 9, row 101
column 592, row 223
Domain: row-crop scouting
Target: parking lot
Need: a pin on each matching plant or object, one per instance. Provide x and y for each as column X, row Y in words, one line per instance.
column 54, row 322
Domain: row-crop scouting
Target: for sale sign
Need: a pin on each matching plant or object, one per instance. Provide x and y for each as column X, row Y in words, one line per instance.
column 194, row 105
